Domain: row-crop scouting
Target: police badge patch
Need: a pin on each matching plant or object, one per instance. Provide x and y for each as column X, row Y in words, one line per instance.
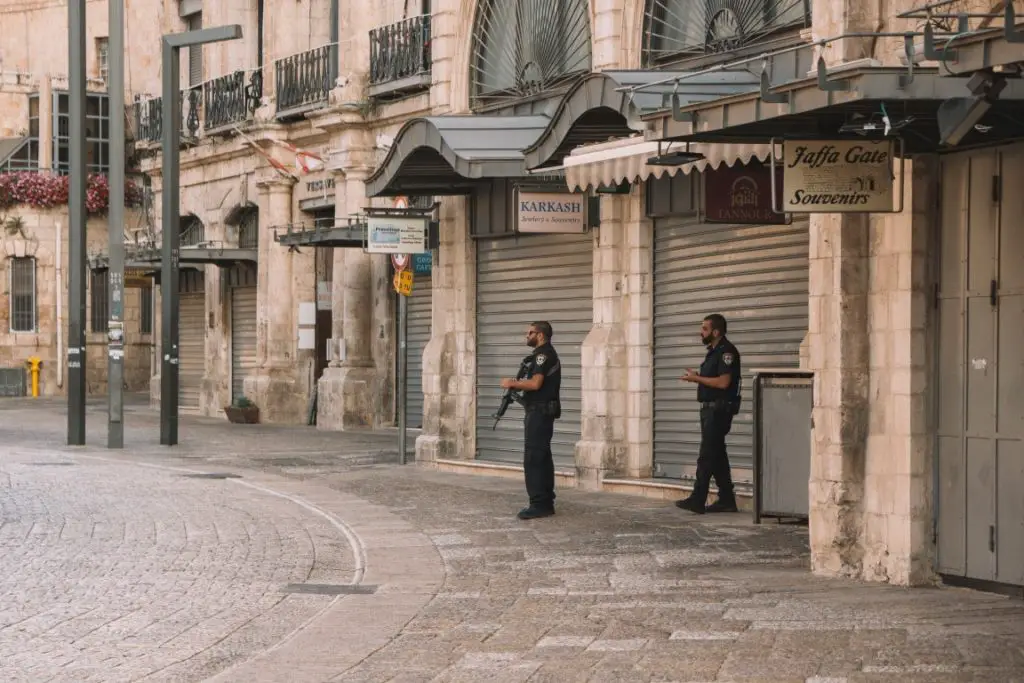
column 540, row 359
column 727, row 358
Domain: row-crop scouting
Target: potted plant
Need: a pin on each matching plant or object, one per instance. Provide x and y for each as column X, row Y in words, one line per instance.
column 242, row 411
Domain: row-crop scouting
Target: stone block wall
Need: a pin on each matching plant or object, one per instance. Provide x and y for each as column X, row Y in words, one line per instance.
column 38, row 239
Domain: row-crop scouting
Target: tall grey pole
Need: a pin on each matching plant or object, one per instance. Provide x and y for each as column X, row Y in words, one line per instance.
column 403, row 375
column 77, row 216
column 115, row 231
column 333, row 52
column 170, row 121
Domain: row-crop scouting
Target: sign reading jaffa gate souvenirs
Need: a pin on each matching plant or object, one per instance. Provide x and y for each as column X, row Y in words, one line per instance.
column 550, row 212
column 742, row 195
column 838, row 176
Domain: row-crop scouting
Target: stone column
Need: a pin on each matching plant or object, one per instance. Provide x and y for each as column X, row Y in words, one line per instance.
column 278, row 386
column 449, row 361
column 349, row 394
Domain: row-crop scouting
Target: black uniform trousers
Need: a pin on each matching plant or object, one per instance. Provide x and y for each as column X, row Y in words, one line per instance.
column 538, row 465
column 713, row 461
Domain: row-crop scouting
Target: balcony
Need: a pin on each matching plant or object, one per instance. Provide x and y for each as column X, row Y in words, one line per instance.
column 303, row 81
column 400, row 58
column 148, row 117
column 229, row 100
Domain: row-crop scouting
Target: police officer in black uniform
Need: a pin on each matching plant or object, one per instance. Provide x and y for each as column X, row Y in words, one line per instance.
column 718, row 392
column 542, row 405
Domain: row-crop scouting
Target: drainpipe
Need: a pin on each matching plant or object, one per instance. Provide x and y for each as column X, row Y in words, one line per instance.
column 335, row 37
column 58, row 243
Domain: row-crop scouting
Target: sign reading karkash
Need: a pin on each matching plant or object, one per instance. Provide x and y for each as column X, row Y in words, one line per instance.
column 550, row 212
column 838, row 176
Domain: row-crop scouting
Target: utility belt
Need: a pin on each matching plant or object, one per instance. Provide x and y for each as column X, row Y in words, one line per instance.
column 545, row 408
column 732, row 407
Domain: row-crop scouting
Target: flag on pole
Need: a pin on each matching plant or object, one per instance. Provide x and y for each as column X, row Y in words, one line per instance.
column 305, row 162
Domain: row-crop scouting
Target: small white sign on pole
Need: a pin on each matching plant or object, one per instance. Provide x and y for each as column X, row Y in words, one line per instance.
column 396, row 235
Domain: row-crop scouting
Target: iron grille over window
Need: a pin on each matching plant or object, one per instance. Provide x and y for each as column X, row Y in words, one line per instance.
column 249, row 230
column 525, row 47
column 99, row 281
column 23, row 294
column 193, row 232
column 680, row 29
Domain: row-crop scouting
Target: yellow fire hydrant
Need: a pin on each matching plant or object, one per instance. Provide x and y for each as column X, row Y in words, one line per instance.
column 33, row 363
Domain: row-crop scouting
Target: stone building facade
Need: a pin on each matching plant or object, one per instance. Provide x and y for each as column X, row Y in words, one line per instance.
column 426, row 104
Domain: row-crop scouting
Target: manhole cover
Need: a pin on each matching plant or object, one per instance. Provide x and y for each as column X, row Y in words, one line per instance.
column 213, row 475
column 329, row 589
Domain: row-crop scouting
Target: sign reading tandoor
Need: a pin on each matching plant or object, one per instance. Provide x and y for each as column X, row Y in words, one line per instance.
column 838, row 176
column 550, row 212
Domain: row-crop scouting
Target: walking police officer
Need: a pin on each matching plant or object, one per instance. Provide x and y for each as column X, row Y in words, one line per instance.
column 718, row 392
column 542, row 405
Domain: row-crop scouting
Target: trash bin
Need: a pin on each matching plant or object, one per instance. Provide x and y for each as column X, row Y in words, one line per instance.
column 783, row 400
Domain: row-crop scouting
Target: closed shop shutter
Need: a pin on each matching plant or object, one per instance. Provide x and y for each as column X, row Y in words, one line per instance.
column 191, row 349
column 754, row 275
column 418, row 336
column 243, row 337
column 520, row 280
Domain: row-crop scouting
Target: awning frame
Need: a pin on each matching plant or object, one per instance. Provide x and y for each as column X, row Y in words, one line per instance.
column 969, row 51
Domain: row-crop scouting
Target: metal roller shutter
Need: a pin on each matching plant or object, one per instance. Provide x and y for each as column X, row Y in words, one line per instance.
column 419, row 312
column 243, row 337
column 519, row 280
column 757, row 277
column 191, row 349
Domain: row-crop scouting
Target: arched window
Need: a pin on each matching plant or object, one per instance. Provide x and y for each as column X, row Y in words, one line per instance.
column 191, row 230
column 525, row 47
column 677, row 29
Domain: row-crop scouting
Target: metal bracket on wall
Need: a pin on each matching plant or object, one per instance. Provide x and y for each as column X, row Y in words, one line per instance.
column 678, row 115
column 911, row 53
column 766, row 86
column 827, row 85
column 1010, row 31
column 932, row 53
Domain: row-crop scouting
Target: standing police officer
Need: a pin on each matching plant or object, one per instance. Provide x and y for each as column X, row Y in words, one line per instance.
column 718, row 392
column 542, row 405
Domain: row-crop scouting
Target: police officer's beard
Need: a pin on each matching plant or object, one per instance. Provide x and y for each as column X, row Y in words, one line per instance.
column 531, row 342
column 707, row 340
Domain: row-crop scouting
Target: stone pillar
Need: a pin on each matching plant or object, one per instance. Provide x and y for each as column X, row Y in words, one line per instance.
column 449, row 360
column 602, row 450
column 278, row 385
column 352, row 391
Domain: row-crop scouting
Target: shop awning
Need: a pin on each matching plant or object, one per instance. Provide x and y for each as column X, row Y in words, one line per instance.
column 446, row 155
column 598, row 109
column 846, row 103
column 225, row 257
column 611, row 163
column 449, row 155
column 336, row 234
column 969, row 51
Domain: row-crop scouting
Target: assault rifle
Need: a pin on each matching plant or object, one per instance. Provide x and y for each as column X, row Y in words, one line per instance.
column 511, row 395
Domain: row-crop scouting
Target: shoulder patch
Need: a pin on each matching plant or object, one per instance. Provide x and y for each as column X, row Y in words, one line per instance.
column 727, row 358
column 540, row 359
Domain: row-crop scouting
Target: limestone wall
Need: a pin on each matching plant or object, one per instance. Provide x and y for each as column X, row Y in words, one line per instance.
column 38, row 239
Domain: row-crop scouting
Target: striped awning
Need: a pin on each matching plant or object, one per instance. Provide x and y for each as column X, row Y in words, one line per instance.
column 611, row 163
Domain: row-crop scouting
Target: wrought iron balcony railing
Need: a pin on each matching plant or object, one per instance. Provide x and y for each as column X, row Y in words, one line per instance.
column 230, row 100
column 149, row 116
column 400, row 57
column 303, row 81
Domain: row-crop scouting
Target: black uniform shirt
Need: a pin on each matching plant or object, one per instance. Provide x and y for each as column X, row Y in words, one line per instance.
column 723, row 359
column 544, row 361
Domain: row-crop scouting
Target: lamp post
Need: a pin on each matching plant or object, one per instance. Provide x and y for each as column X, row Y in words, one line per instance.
column 76, row 222
column 115, row 231
column 172, row 45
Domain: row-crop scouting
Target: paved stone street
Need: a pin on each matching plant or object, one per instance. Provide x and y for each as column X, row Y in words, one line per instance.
column 310, row 556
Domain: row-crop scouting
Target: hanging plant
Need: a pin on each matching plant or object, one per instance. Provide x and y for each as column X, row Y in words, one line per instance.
column 47, row 190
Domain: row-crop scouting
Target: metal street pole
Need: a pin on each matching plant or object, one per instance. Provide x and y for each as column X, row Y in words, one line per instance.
column 115, row 231
column 77, row 217
column 172, row 45
column 403, row 366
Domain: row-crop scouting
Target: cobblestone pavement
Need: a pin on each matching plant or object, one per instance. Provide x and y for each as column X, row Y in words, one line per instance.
column 613, row 588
